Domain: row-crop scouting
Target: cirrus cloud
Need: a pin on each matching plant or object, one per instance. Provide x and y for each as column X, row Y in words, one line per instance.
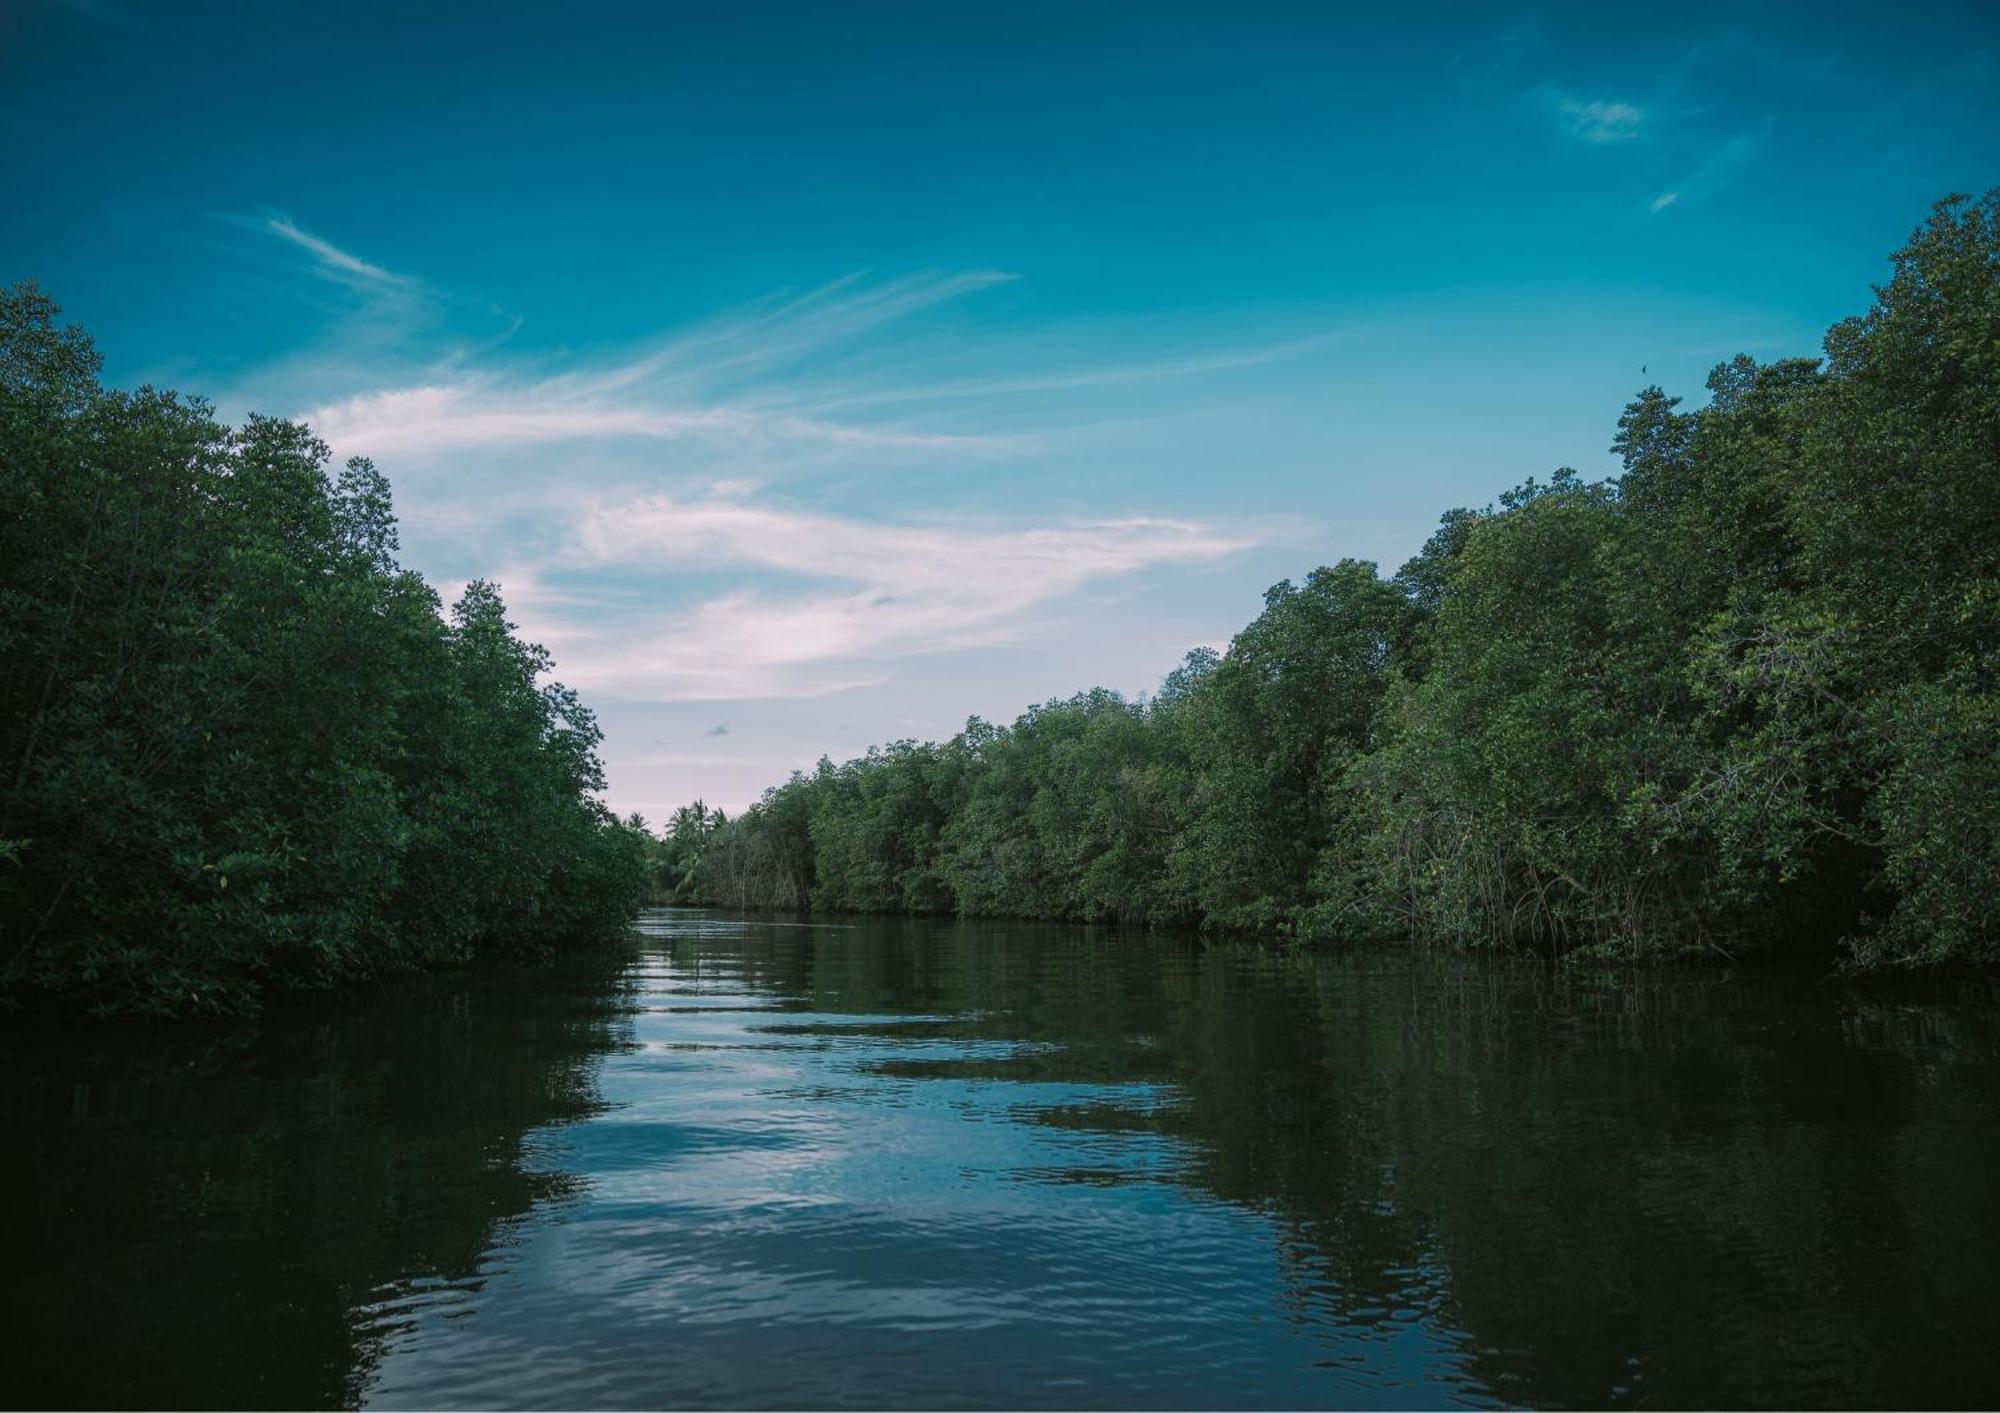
column 875, row 592
column 1601, row 120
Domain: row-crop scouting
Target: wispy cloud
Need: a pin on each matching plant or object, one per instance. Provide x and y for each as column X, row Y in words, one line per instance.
column 485, row 411
column 1713, row 170
column 1081, row 379
column 1601, row 120
column 1679, row 133
column 882, row 591
column 330, row 259
column 711, row 382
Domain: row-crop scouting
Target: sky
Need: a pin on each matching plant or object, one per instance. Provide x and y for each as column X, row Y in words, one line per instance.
column 812, row 376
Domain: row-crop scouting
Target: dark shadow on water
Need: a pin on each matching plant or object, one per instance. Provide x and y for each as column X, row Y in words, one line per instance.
column 241, row 1219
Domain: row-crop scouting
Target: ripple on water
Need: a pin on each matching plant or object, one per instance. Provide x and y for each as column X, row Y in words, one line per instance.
column 936, row 1177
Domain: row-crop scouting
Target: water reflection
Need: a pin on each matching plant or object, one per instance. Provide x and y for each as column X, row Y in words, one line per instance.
column 250, row 1218
column 939, row 1164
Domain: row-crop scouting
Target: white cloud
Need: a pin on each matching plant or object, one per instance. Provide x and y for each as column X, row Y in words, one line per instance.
column 484, row 412
column 720, row 381
column 332, row 261
column 1663, row 201
column 892, row 591
column 1601, row 121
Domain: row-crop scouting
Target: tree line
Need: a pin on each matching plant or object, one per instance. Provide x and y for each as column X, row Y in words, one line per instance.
column 1740, row 697
column 241, row 748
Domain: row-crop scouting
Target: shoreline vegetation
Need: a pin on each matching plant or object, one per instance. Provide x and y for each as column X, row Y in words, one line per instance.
column 243, row 751
column 1740, row 699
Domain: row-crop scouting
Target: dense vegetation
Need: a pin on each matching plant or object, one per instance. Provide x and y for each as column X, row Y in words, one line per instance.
column 1741, row 696
column 240, row 748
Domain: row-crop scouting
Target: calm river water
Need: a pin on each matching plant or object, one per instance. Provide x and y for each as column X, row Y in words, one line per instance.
column 934, row 1164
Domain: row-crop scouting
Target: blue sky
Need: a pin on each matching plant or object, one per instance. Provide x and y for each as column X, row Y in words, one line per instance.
column 811, row 376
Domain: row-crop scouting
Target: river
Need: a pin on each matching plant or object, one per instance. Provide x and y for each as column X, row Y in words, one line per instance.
column 875, row 1163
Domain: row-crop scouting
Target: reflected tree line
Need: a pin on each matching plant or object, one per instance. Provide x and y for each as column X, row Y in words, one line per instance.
column 1652, row 1188
column 246, row 1218
column 1740, row 698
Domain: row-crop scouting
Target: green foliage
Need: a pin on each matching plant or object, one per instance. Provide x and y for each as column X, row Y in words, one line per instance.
column 239, row 747
column 1741, row 697
column 1272, row 728
column 674, row 860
